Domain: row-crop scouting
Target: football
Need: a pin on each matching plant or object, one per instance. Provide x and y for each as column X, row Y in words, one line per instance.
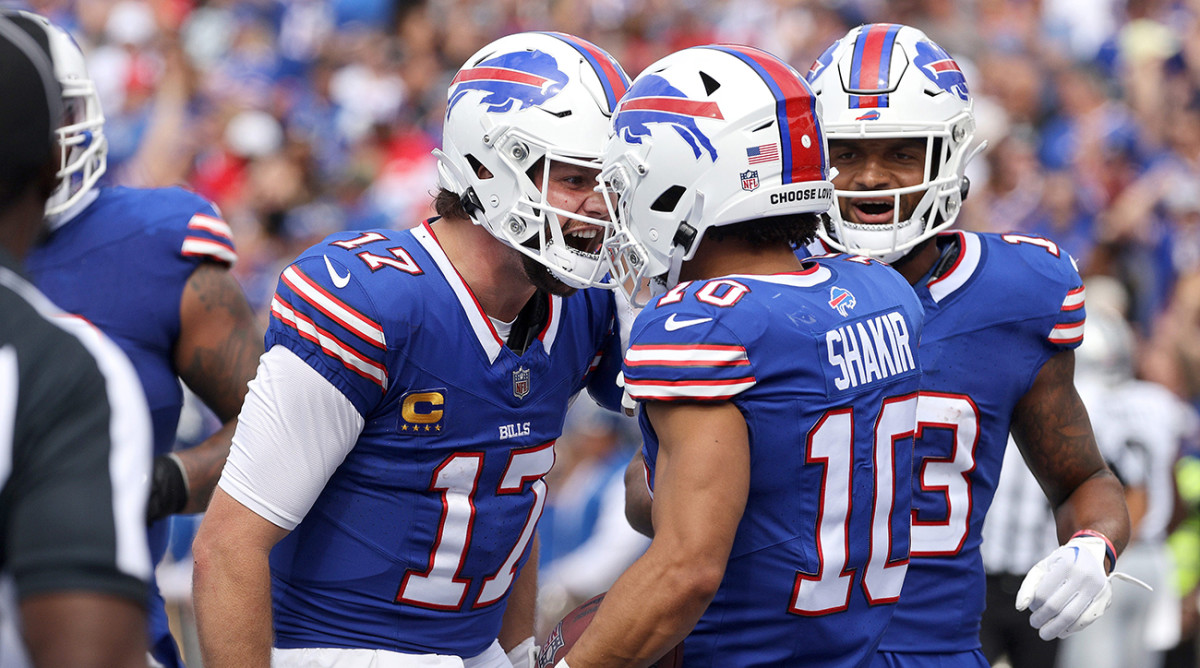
column 568, row 630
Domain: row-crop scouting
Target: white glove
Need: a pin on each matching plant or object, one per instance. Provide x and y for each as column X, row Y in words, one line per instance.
column 524, row 655
column 1069, row 589
column 628, row 403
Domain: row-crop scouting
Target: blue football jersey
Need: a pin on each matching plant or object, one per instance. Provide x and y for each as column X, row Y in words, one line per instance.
column 824, row 366
column 415, row 540
column 122, row 264
column 1008, row 303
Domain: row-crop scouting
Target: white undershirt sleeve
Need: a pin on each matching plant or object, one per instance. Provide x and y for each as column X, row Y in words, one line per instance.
column 294, row 430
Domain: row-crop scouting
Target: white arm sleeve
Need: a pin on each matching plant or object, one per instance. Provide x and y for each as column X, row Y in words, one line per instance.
column 294, row 430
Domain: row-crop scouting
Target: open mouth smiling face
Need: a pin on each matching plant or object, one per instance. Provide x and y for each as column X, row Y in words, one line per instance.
column 866, row 166
column 584, row 239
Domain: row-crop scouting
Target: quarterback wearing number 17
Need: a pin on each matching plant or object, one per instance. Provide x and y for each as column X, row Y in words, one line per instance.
column 390, row 458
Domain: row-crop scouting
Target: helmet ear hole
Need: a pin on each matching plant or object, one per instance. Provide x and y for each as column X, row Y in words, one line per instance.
column 477, row 167
column 935, row 149
column 669, row 198
column 710, row 84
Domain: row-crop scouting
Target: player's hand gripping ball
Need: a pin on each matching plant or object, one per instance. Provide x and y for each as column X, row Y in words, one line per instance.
column 568, row 630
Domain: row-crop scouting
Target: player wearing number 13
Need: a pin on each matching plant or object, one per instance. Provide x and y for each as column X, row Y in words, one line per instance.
column 391, row 452
column 1003, row 314
column 778, row 397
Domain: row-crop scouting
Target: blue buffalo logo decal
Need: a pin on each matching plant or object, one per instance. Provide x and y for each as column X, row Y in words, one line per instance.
column 524, row 79
column 940, row 68
column 654, row 100
column 821, row 63
column 841, row 300
column 869, row 116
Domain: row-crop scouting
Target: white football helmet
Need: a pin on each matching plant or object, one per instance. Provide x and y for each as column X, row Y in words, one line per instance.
column 708, row 136
column 522, row 98
column 884, row 81
column 1108, row 348
column 83, row 147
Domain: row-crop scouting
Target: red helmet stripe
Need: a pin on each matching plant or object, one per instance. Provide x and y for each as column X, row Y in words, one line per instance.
column 499, row 73
column 611, row 77
column 870, row 67
column 674, row 105
column 796, row 113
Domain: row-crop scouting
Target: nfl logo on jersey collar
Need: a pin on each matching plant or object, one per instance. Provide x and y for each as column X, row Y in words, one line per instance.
column 520, row 382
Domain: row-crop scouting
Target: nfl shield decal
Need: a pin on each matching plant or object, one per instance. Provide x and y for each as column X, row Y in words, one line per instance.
column 520, row 382
column 750, row 179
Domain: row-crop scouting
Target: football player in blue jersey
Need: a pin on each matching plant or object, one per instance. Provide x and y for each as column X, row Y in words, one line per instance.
column 1003, row 313
column 778, row 396
column 149, row 268
column 380, row 501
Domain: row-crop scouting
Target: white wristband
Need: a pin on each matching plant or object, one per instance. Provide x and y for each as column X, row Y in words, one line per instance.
column 524, row 655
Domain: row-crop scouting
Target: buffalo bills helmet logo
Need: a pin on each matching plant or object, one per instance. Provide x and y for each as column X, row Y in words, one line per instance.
column 940, row 68
column 872, row 115
column 654, row 100
column 822, row 62
column 841, row 300
column 522, row 78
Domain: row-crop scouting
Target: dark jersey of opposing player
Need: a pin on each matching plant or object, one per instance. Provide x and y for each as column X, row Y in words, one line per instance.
column 74, row 459
column 122, row 264
column 1006, row 305
column 823, row 364
column 415, row 540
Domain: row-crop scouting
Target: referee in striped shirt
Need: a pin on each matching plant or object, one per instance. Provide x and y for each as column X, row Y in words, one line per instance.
column 74, row 428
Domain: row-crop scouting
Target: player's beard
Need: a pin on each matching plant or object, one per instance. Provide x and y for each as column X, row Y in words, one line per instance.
column 541, row 278
column 539, row 274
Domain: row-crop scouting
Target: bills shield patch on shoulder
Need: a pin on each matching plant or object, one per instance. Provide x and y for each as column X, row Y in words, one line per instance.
column 520, row 382
column 750, row 179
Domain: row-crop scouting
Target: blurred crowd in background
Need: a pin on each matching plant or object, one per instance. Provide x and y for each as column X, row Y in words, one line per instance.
column 306, row 117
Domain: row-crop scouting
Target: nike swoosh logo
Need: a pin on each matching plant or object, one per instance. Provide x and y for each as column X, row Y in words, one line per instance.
column 338, row 281
column 672, row 324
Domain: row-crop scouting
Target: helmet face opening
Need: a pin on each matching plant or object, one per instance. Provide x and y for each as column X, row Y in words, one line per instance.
column 630, row 263
column 707, row 137
column 886, row 81
column 520, row 111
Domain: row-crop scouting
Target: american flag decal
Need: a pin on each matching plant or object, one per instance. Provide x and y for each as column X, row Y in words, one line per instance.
column 760, row 154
